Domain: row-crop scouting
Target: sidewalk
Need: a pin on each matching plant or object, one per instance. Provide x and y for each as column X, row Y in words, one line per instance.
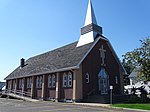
column 109, row 106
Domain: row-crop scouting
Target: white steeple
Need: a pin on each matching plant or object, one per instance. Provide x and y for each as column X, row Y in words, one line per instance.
column 90, row 16
column 90, row 29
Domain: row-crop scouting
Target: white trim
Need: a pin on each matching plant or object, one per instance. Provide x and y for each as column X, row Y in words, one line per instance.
column 49, row 81
column 9, row 84
column 115, row 55
column 116, row 79
column 87, row 78
column 48, row 72
column 78, row 65
column 39, row 81
column 14, row 84
column 98, row 38
column 69, row 79
column 64, row 80
column 29, row 82
column 111, row 48
column 20, row 83
column 53, row 80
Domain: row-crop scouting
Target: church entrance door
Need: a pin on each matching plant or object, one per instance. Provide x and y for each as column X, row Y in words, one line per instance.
column 103, row 81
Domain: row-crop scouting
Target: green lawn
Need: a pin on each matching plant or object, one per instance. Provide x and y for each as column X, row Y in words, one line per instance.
column 134, row 106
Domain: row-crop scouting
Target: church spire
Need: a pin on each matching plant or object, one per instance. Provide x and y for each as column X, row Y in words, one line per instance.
column 90, row 16
column 90, row 29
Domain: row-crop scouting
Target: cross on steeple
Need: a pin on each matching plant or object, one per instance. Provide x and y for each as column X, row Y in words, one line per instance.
column 102, row 55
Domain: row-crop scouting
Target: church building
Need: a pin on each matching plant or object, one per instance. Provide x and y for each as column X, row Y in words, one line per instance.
column 73, row 72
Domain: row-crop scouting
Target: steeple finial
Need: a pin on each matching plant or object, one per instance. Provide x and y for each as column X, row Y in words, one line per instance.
column 90, row 29
column 90, row 16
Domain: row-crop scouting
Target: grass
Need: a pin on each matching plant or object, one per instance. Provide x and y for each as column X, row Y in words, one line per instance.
column 134, row 106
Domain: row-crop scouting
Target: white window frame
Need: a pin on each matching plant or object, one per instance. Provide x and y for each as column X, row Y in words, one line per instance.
column 9, row 84
column 20, row 83
column 41, row 81
column 65, row 80
column 53, row 81
column 14, row 84
column 116, row 79
column 37, row 82
column 87, row 78
column 69, row 79
column 29, row 82
column 49, row 81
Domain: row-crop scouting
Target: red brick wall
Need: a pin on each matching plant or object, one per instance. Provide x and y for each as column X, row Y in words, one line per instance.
column 38, row 93
column 65, row 92
column 92, row 65
column 51, row 93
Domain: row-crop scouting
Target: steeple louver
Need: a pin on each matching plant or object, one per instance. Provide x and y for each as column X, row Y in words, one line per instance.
column 90, row 29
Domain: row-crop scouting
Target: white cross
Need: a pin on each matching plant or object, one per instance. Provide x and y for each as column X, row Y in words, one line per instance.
column 102, row 54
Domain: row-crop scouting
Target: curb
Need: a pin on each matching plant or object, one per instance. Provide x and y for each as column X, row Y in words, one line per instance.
column 109, row 106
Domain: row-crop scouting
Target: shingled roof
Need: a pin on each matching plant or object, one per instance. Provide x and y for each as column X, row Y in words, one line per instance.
column 62, row 58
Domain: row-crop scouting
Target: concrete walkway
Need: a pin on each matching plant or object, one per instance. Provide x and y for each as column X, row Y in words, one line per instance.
column 109, row 106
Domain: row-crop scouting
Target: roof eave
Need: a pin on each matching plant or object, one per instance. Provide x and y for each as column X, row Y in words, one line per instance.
column 47, row 72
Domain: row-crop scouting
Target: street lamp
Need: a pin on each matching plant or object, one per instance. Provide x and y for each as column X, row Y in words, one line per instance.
column 111, row 92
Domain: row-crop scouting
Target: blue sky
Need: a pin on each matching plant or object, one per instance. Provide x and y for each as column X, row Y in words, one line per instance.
column 32, row 27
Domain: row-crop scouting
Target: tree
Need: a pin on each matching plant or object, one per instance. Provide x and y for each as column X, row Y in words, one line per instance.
column 140, row 59
column 128, row 67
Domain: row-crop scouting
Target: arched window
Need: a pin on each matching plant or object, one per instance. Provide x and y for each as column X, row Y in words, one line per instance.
column 29, row 82
column 14, row 84
column 87, row 78
column 64, row 80
column 69, row 79
column 37, row 82
column 41, row 81
column 103, row 81
column 49, row 81
column 53, row 80
column 20, row 83
column 9, row 84
column 116, row 80
column 103, row 73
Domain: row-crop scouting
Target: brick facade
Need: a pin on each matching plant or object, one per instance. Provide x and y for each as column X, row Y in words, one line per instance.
column 79, row 89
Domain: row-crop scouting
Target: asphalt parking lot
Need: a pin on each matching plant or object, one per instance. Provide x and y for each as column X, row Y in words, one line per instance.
column 11, row 105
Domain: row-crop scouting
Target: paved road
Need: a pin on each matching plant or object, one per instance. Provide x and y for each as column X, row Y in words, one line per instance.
column 7, row 105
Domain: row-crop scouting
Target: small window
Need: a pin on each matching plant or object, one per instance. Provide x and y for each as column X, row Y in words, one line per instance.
column 20, row 83
column 116, row 80
column 49, row 81
column 14, row 84
column 53, row 81
column 37, row 82
column 9, row 84
column 64, row 80
column 87, row 78
column 69, row 79
column 29, row 82
column 41, row 81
